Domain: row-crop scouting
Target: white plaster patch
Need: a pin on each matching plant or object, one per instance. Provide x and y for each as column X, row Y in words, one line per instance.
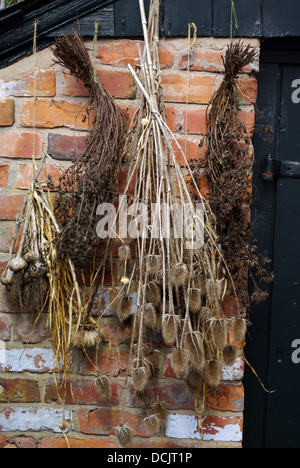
column 235, row 372
column 32, row 419
column 31, row 360
column 182, row 426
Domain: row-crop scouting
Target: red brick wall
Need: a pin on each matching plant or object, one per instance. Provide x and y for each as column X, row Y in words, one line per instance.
column 29, row 409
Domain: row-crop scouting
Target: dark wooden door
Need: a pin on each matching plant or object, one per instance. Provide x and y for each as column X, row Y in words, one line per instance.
column 273, row 342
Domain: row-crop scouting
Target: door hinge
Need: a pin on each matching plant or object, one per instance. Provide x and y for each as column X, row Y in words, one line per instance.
column 281, row 169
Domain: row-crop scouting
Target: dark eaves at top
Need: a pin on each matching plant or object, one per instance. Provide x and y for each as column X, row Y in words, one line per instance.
column 54, row 17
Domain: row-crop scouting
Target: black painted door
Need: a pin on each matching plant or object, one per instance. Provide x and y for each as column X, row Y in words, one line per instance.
column 272, row 420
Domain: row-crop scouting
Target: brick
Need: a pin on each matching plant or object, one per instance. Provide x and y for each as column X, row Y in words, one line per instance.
column 225, row 429
column 82, row 392
column 17, row 442
column 191, row 119
column 247, row 90
column 125, row 52
column 202, row 59
column 21, row 145
column 4, row 329
column 30, row 332
column 56, row 114
column 190, row 148
column 25, row 175
column 111, row 363
column 4, row 173
column 44, row 83
column 66, row 147
column 10, row 206
column 249, row 121
column 61, row 443
column 19, row 391
column 120, row 84
column 7, row 113
column 174, row 85
column 23, row 419
column 103, row 421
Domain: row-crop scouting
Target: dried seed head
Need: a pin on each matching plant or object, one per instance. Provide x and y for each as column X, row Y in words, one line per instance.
column 125, row 435
column 125, row 308
column 239, row 329
column 127, row 330
column 180, row 361
column 114, row 299
column 103, row 387
column 124, row 252
column 206, row 313
column 194, row 345
column 149, row 315
column 140, row 377
column 153, row 293
column 195, row 299
column 153, row 264
column 212, row 373
column 152, row 424
column 180, row 274
column 86, row 338
column 194, row 379
column 90, row 338
column 170, row 328
column 229, row 355
column 214, row 290
column 160, row 409
column 219, row 333
column 200, row 281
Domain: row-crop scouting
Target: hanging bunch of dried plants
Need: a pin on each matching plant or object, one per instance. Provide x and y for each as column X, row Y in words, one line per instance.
column 92, row 179
column 179, row 280
column 228, row 164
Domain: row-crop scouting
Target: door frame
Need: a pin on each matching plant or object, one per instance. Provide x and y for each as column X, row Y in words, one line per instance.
column 274, row 54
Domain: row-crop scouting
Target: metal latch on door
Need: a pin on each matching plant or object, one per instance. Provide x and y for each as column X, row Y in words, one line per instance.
column 282, row 169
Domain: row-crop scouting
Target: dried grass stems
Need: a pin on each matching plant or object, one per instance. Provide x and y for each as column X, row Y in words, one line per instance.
column 180, row 287
column 228, row 164
column 92, row 179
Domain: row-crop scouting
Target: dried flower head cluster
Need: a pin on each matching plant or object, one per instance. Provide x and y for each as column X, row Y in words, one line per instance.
column 228, row 164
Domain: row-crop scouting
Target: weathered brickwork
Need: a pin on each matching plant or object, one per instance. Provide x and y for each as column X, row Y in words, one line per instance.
column 57, row 123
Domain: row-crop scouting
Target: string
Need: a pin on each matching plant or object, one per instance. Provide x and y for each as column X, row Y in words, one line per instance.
column 233, row 16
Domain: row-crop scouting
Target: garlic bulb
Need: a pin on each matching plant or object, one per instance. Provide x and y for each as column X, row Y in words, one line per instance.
column 7, row 279
column 29, row 257
column 18, row 264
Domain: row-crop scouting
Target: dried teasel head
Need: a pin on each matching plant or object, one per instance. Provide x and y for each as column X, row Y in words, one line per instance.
column 229, row 355
column 180, row 275
column 124, row 252
column 214, row 290
column 180, row 361
column 200, row 281
column 153, row 264
column 126, row 308
column 219, row 333
column 170, row 328
column 238, row 328
column 194, row 379
column 103, row 387
column 212, row 373
column 152, row 424
column 114, row 299
column 124, row 435
column 140, row 377
column 153, row 293
column 86, row 338
column 195, row 299
column 206, row 313
column 160, row 409
column 150, row 316
column 194, row 344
